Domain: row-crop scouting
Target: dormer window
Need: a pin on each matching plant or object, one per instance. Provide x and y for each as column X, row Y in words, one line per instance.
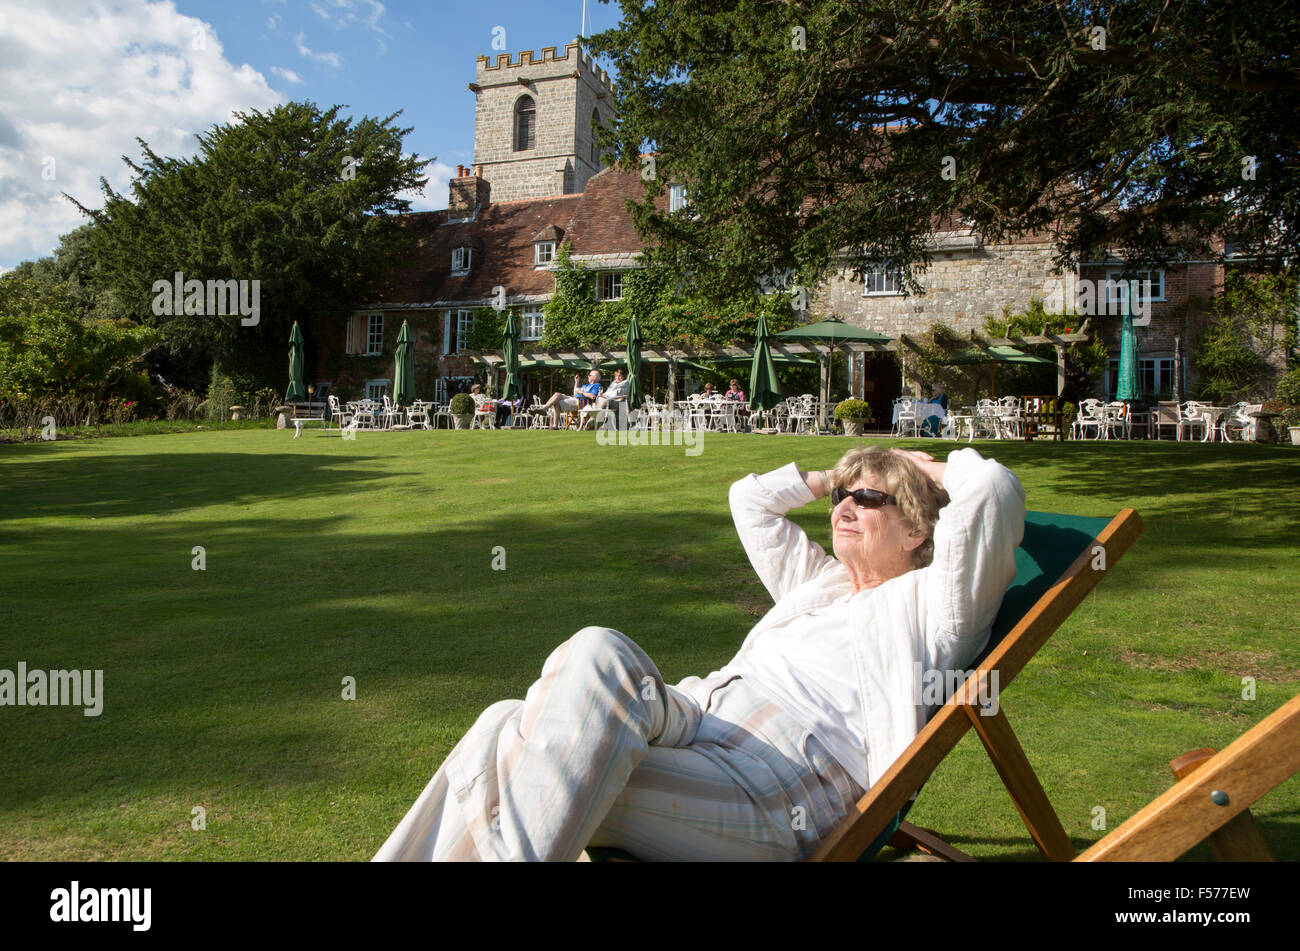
column 525, row 124
column 543, row 253
column 460, row 258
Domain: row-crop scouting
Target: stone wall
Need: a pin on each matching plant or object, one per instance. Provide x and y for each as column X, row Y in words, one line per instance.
column 565, row 90
column 961, row 287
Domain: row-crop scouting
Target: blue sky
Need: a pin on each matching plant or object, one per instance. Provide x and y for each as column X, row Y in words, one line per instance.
column 81, row 79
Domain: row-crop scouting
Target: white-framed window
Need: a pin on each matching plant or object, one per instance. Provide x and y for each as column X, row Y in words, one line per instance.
column 366, row 335
column 1151, row 286
column 532, row 323
column 543, row 252
column 676, row 197
column 1155, row 376
column 376, row 389
column 460, row 259
column 464, row 324
column 880, row 281
column 609, row 285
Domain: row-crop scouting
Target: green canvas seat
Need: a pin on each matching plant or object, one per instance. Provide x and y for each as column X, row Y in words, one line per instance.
column 1060, row 560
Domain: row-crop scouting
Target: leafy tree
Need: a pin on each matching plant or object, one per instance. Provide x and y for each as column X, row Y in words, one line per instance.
column 818, row 133
column 296, row 199
column 47, row 350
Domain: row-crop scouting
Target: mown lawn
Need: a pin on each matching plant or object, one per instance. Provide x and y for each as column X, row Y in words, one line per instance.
column 372, row 559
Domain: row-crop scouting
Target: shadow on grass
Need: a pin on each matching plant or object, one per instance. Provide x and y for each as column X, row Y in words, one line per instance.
column 232, row 675
column 89, row 482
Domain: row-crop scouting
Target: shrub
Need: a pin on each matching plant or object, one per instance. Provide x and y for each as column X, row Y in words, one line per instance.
column 221, row 395
column 462, row 404
column 853, row 409
column 1228, row 366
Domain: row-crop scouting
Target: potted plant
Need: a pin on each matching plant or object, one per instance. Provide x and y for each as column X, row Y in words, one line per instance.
column 854, row 414
column 1288, row 395
column 462, row 410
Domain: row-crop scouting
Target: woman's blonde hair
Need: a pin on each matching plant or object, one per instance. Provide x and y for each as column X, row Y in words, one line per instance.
column 919, row 496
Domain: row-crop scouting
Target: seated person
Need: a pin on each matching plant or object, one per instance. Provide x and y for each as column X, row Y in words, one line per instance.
column 583, row 395
column 708, row 392
column 821, row 699
column 933, row 424
column 618, row 390
column 734, row 392
column 505, row 408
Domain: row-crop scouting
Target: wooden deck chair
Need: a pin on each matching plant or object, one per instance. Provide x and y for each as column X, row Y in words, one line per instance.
column 1212, row 798
column 1076, row 552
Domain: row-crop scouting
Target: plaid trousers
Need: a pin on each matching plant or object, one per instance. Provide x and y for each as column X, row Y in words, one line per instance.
column 602, row 752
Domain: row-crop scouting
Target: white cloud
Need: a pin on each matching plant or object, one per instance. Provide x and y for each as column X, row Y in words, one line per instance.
column 273, row 22
column 329, row 59
column 434, row 196
column 79, row 81
column 288, row 75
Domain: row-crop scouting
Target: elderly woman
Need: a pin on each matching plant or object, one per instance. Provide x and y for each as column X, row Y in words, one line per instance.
column 762, row 758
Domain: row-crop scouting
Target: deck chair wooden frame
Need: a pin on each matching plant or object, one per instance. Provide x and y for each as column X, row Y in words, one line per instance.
column 877, row 816
column 1211, row 802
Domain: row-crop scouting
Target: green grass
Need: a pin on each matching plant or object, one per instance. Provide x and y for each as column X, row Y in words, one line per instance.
column 372, row 559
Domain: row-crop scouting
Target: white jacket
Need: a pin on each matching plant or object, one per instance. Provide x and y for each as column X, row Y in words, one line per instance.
column 938, row 617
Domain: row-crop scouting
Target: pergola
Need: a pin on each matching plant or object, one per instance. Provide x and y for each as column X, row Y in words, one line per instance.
column 493, row 359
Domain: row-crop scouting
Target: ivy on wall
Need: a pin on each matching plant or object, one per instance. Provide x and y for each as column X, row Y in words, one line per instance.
column 667, row 317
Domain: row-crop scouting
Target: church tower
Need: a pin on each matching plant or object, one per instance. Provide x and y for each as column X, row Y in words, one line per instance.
column 532, row 122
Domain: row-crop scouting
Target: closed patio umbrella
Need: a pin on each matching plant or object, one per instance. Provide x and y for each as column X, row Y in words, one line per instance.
column 297, row 393
column 510, row 350
column 1129, row 387
column 764, row 388
column 634, row 365
column 404, row 368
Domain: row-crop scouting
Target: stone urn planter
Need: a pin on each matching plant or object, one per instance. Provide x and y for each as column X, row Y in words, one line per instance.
column 462, row 410
column 1295, row 435
column 236, row 413
column 854, row 414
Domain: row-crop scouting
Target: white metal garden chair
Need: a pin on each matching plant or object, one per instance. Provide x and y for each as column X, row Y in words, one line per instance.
column 907, row 419
column 337, row 412
column 1091, row 416
column 1191, row 418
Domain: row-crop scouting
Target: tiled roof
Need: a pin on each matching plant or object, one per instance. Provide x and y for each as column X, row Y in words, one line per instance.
column 596, row 223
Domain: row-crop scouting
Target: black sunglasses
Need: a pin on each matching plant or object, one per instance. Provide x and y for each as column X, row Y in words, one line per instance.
column 863, row 498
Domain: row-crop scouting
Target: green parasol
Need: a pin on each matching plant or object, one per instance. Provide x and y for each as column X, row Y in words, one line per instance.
column 764, row 388
column 297, row 393
column 1129, row 387
column 404, row 369
column 633, row 365
column 510, row 349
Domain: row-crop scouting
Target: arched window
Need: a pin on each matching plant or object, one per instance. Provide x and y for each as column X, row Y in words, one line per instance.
column 595, row 145
column 525, row 124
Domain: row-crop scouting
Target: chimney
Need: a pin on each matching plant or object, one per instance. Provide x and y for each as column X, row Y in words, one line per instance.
column 467, row 193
